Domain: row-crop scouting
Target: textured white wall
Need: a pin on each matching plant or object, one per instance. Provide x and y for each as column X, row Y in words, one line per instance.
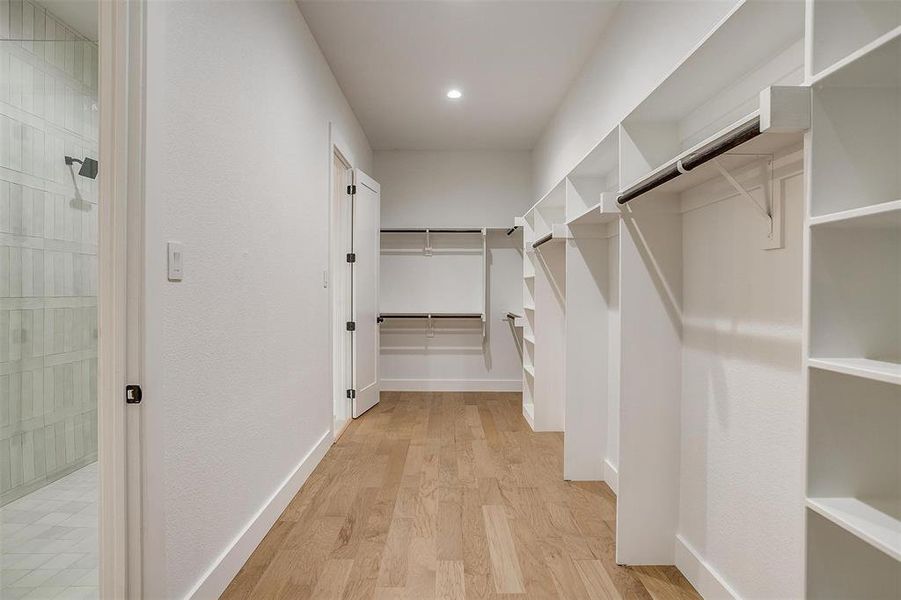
column 642, row 42
column 239, row 100
column 742, row 394
column 478, row 188
column 458, row 189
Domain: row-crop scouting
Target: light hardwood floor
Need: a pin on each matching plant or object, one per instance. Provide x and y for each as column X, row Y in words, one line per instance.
column 447, row 495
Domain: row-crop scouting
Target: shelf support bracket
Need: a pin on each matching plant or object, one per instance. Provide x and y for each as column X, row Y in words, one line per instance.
column 772, row 214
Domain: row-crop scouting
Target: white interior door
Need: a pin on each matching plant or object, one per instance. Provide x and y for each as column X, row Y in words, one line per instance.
column 365, row 292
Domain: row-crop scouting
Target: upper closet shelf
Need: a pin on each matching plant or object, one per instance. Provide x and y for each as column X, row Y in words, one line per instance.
column 433, row 230
column 780, row 121
column 558, row 233
column 716, row 88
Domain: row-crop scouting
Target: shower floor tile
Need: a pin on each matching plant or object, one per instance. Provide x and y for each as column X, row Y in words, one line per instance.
column 49, row 540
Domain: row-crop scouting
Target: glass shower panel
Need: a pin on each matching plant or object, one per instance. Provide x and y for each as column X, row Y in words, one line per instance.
column 48, row 306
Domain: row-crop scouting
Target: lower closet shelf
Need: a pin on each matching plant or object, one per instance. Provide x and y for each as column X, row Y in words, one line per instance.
column 877, row 522
column 887, row 372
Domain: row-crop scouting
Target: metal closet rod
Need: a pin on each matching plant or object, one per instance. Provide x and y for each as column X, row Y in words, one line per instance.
column 545, row 238
column 431, row 315
column 738, row 137
column 512, row 316
column 512, row 229
column 429, row 230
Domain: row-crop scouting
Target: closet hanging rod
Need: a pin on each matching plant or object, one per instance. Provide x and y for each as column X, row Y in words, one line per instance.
column 431, row 316
column 745, row 133
column 512, row 229
column 545, row 238
column 430, row 230
column 511, row 316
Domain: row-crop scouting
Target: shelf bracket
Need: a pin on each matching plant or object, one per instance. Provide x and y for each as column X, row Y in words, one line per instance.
column 772, row 214
column 427, row 250
column 430, row 328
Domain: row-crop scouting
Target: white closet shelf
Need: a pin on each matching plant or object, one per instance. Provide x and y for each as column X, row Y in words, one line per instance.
column 877, row 370
column 602, row 212
column 517, row 320
column 877, row 522
column 883, row 40
column 530, row 370
column 529, row 338
column 460, row 315
column 529, row 307
column 470, row 230
column 875, row 216
column 676, row 181
column 558, row 232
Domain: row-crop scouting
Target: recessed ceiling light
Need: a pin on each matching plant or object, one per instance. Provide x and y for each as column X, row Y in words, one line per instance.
column 454, row 94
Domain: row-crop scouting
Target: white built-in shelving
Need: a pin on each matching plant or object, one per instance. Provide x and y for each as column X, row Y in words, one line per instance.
column 603, row 281
column 854, row 338
column 436, row 277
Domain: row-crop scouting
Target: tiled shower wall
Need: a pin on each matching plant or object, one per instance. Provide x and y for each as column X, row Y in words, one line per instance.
column 48, row 250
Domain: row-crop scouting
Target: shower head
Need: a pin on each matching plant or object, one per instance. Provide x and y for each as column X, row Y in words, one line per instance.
column 88, row 169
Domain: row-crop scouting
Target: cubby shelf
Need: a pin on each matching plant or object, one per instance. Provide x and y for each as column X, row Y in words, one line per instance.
column 887, row 372
column 887, row 214
column 530, row 370
column 877, row 522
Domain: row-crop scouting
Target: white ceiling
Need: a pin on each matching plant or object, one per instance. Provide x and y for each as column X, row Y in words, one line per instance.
column 81, row 15
column 514, row 60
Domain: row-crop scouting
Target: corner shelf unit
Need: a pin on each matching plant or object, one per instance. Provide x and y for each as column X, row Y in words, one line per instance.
column 437, row 275
column 853, row 501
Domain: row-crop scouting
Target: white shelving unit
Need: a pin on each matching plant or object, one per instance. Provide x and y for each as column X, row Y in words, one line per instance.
column 592, row 320
column 544, row 307
column 854, row 340
column 435, row 276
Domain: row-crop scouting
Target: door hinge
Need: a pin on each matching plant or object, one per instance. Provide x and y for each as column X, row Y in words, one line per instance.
column 133, row 394
column 351, row 393
column 351, row 326
column 352, row 189
column 351, row 257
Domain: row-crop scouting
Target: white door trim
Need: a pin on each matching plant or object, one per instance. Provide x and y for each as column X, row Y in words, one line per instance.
column 120, row 214
column 339, row 305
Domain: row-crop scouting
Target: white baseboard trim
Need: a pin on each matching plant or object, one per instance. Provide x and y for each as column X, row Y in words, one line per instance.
column 451, row 385
column 223, row 570
column 611, row 476
column 706, row 580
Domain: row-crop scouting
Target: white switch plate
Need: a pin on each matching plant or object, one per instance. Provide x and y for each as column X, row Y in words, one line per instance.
column 176, row 268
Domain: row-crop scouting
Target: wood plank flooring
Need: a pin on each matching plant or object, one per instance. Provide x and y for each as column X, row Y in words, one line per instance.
column 446, row 496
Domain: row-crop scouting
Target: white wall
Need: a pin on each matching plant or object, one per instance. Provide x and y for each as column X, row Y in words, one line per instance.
column 478, row 188
column 741, row 474
column 642, row 42
column 237, row 384
column 458, row 189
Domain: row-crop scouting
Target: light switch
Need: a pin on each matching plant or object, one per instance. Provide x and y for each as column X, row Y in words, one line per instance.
column 176, row 261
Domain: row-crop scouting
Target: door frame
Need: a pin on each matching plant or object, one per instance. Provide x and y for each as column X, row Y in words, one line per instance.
column 339, row 303
column 121, row 54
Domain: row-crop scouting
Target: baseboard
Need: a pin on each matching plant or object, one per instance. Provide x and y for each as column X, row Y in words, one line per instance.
column 451, row 385
column 611, row 476
column 706, row 580
column 224, row 569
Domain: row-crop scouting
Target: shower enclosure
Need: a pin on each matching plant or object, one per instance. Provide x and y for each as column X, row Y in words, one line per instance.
column 48, row 304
